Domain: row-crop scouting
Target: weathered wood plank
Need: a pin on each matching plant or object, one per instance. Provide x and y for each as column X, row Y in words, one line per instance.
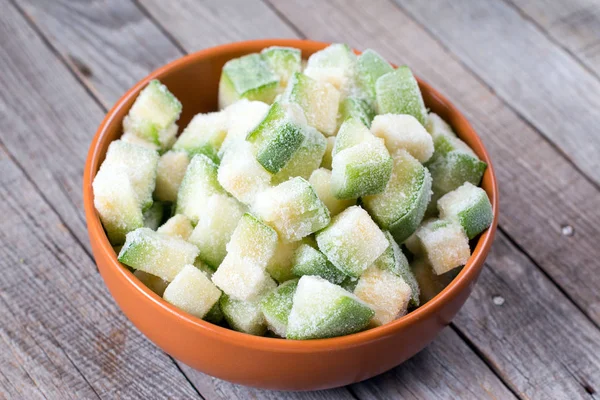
column 540, row 80
column 200, row 24
column 574, row 24
column 540, row 191
column 114, row 37
column 60, row 326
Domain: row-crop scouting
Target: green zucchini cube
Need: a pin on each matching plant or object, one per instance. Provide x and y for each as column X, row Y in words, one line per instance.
column 284, row 61
column 293, row 209
column 278, row 136
column 352, row 241
column 319, row 101
column 242, row 117
column 321, row 310
column 215, row 227
column 156, row 253
column 153, row 115
column 445, row 244
column 248, row 77
column 277, row 305
column 398, row 92
column 253, row 240
column 369, row 67
column 403, row 131
column 198, row 184
column 309, row 261
column 320, row 180
column 386, row 293
column 355, row 107
column 470, row 206
column 336, row 65
column 204, row 135
column 192, row 292
column 242, row 278
column 361, row 163
column 117, row 203
column 243, row 316
column 280, row 265
column 401, row 206
column 169, row 174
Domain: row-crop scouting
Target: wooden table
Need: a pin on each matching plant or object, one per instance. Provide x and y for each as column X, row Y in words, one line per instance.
column 525, row 72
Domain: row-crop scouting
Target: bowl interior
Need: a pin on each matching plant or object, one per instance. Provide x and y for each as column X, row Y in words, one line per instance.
column 194, row 81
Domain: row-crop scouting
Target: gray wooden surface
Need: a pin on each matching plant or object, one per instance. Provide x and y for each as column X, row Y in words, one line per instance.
column 525, row 72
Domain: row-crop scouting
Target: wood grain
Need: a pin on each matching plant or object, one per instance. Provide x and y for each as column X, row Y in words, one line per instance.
column 59, row 323
column 110, row 45
column 540, row 192
column 574, row 25
column 533, row 75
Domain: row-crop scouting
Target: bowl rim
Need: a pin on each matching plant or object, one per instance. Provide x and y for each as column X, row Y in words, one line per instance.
column 466, row 277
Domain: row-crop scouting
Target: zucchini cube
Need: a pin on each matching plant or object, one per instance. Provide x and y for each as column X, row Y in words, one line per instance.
column 284, row 61
column 321, row 310
column 436, row 126
column 154, row 215
column 253, row 240
column 309, row 261
column 319, row 101
column 398, row 92
column 277, row 305
column 403, row 131
column 386, row 293
column 335, row 64
column 153, row 115
column 293, row 209
column 445, row 244
column 178, row 225
column 169, row 174
column 215, row 227
column 243, row 316
column 470, row 206
column 401, row 206
column 358, row 108
column 242, row 117
column 320, row 180
column 204, row 135
column 241, row 278
column 248, row 77
column 352, row 242
column 192, row 292
column 280, row 265
column 369, row 67
column 156, row 253
column 278, row 136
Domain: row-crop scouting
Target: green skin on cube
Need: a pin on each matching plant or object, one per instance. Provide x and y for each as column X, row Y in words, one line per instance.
column 214, row 315
column 199, row 137
column 306, row 159
column 284, row 61
column 337, row 313
column 276, row 306
column 349, row 284
column 401, row 207
column 398, row 92
column 247, row 77
column 369, row 67
column 243, row 316
column 357, row 108
column 352, row 132
column 475, row 215
column 310, row 261
column 453, row 169
column 155, row 110
column 277, row 138
column 395, row 261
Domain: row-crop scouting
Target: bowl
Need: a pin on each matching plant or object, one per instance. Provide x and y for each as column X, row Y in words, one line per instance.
column 262, row 362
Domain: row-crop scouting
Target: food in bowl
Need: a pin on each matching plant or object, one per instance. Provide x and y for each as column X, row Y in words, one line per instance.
column 289, row 211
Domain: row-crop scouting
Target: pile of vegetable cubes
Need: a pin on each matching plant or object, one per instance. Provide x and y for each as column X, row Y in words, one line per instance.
column 321, row 200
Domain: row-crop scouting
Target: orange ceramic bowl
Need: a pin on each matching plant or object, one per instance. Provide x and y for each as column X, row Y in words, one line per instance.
column 259, row 361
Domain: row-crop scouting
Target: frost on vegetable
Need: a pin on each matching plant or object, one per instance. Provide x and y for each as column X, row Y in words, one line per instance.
column 192, row 292
column 280, row 265
column 248, row 77
column 369, row 67
column 241, row 174
column 336, row 65
column 319, row 101
column 178, row 225
column 321, row 310
column 309, row 261
column 284, row 61
column 156, row 253
column 320, row 180
column 242, row 117
column 436, row 126
column 241, row 278
column 198, row 184
column 253, row 240
column 386, row 293
column 117, row 203
column 355, row 107
column 401, row 206
column 243, row 316
column 398, row 92
column 215, row 227
column 153, row 115
column 361, row 163
column 204, row 135
column 169, row 174
column 470, row 206
column 445, row 244
column 430, row 283
column 293, row 209
column 154, row 215
column 352, row 241
column 277, row 305
column 402, row 131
